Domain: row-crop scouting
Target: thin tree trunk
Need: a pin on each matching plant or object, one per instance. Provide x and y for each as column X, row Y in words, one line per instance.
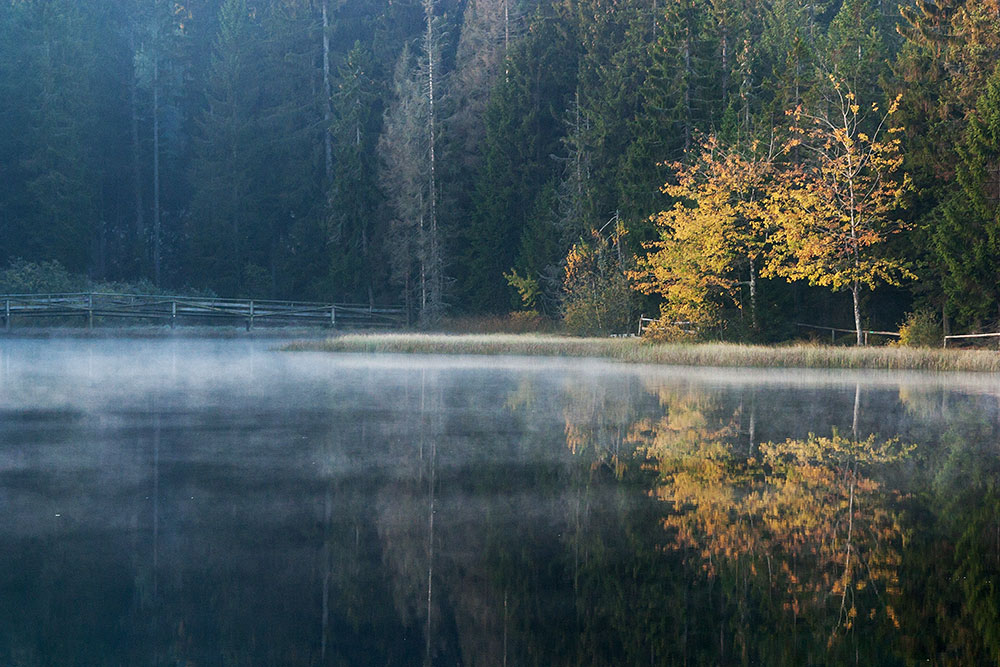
column 753, row 296
column 435, row 261
column 687, row 92
column 725, row 63
column 506, row 41
column 140, row 223
column 156, row 164
column 422, row 237
column 856, row 293
column 327, row 89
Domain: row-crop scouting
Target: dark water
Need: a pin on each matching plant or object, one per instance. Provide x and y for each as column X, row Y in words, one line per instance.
column 217, row 503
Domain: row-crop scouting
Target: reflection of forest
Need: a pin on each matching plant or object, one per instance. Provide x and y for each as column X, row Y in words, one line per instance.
column 462, row 517
column 812, row 549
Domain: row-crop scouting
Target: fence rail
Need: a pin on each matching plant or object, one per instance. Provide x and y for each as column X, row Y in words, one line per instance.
column 834, row 330
column 644, row 322
column 172, row 309
column 958, row 336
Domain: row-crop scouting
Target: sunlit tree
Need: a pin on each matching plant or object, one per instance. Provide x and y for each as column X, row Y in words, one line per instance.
column 834, row 212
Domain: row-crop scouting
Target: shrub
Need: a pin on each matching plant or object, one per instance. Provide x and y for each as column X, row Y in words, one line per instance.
column 598, row 298
column 662, row 331
column 921, row 329
column 51, row 277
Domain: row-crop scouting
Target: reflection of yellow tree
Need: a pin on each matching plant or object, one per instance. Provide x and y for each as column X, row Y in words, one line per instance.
column 802, row 513
column 596, row 423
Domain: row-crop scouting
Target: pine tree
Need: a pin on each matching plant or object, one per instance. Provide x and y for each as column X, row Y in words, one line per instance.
column 967, row 238
column 523, row 130
column 225, row 204
column 354, row 198
column 59, row 162
column 288, row 256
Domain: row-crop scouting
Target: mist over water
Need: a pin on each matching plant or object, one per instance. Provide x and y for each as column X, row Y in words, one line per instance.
column 220, row 502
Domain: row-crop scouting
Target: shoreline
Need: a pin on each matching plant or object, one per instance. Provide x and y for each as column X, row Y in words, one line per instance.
column 637, row 351
column 164, row 332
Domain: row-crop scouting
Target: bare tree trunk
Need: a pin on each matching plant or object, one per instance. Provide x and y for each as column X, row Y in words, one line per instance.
column 140, row 223
column 422, row 240
column 156, row 163
column 506, row 40
column 725, row 62
column 753, row 295
column 327, row 89
column 434, row 250
column 856, row 293
column 687, row 92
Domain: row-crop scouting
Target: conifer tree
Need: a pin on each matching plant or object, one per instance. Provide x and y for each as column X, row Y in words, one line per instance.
column 967, row 239
column 59, row 161
column 226, row 204
column 354, row 198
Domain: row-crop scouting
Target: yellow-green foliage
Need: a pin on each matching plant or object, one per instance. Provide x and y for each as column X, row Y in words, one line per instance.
column 921, row 329
column 598, row 299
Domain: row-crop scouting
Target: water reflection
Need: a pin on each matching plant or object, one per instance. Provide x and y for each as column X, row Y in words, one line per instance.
column 221, row 503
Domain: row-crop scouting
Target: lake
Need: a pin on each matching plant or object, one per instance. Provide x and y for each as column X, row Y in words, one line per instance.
column 205, row 502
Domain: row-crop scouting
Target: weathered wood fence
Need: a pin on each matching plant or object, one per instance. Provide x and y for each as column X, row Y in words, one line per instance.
column 834, row 330
column 964, row 336
column 646, row 322
column 196, row 310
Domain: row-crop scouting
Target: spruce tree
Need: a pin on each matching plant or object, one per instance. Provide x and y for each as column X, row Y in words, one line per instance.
column 967, row 238
column 225, row 206
column 353, row 225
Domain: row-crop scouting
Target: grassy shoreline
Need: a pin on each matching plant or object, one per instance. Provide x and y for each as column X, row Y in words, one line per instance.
column 633, row 350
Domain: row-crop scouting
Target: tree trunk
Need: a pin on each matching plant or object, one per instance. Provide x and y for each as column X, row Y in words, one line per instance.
column 328, row 91
column 687, row 93
column 753, row 296
column 140, row 223
column 435, row 283
column 856, row 293
column 156, row 164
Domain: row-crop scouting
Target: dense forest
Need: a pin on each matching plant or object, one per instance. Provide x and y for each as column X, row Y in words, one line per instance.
column 733, row 166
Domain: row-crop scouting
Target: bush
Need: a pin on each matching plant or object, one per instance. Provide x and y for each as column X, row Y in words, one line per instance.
column 51, row 277
column 921, row 329
column 600, row 312
column 21, row 277
column 661, row 331
column 598, row 298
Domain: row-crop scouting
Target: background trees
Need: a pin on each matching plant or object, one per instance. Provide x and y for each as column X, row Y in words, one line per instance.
column 259, row 146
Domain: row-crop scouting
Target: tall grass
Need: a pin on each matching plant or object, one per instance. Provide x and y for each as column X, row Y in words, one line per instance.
column 634, row 350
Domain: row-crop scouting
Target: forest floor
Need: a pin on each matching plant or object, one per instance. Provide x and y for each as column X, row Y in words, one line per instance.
column 635, row 350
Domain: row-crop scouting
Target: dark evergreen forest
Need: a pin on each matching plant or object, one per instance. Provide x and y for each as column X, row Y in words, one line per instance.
column 490, row 156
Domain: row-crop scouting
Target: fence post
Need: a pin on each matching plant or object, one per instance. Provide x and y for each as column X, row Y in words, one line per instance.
column 333, row 316
column 833, row 336
column 6, row 315
column 250, row 319
column 173, row 314
column 639, row 333
column 90, row 311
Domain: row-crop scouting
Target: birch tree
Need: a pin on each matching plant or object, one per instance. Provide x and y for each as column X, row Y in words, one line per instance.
column 712, row 239
column 835, row 211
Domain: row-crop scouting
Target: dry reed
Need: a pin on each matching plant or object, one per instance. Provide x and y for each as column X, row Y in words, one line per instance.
column 633, row 350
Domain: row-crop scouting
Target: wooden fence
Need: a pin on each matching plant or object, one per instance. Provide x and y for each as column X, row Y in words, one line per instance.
column 646, row 322
column 196, row 310
column 834, row 330
column 961, row 336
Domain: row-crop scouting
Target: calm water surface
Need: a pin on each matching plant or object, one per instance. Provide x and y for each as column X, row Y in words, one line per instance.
column 218, row 503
